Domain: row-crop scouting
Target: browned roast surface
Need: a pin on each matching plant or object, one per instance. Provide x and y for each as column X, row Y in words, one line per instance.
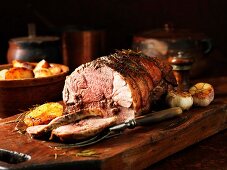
column 125, row 81
column 83, row 129
column 117, row 87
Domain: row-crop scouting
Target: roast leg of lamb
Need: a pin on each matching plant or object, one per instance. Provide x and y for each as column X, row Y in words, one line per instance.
column 122, row 85
column 125, row 83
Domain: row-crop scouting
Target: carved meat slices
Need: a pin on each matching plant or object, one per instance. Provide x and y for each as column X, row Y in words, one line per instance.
column 40, row 130
column 122, row 85
column 83, row 129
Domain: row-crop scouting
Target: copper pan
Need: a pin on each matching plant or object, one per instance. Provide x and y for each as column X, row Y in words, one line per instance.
column 82, row 46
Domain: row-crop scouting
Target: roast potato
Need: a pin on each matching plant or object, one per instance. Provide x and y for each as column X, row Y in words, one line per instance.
column 42, row 64
column 43, row 72
column 55, row 69
column 3, row 74
column 43, row 114
column 19, row 63
column 24, row 70
column 19, row 73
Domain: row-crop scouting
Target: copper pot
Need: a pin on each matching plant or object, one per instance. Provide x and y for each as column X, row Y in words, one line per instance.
column 34, row 49
column 168, row 41
column 82, row 46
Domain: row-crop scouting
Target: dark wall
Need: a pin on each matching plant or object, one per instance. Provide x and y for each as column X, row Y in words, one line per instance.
column 121, row 18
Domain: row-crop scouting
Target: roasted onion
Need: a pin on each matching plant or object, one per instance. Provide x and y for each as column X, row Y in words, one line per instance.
column 202, row 93
column 179, row 99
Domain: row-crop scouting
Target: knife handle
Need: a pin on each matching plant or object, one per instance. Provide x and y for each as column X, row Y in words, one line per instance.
column 158, row 116
column 148, row 119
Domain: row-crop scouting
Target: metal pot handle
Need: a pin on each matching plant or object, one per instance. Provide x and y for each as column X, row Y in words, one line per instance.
column 207, row 44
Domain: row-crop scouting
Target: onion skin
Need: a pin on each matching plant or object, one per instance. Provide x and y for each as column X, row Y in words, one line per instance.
column 180, row 99
column 202, row 93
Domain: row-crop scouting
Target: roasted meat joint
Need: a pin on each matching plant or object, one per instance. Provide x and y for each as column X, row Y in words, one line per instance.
column 108, row 91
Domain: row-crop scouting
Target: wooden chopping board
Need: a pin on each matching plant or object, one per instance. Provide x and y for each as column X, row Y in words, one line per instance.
column 135, row 149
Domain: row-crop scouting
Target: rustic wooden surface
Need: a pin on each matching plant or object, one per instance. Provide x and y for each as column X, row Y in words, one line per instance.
column 209, row 154
column 135, row 149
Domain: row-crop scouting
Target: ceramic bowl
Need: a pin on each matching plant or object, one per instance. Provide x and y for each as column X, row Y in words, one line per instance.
column 19, row 95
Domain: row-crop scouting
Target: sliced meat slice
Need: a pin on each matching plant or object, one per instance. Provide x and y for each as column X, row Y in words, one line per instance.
column 39, row 130
column 36, row 130
column 83, row 129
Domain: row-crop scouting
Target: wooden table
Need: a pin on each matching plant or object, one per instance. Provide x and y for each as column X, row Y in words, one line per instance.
column 144, row 147
column 209, row 154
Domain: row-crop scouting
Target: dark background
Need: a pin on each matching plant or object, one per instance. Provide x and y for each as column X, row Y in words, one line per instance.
column 120, row 18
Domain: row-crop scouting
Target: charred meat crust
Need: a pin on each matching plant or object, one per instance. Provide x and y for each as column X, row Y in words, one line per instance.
column 121, row 85
column 143, row 74
column 140, row 72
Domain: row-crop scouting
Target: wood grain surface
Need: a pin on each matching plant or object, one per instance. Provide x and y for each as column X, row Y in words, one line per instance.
column 135, row 149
